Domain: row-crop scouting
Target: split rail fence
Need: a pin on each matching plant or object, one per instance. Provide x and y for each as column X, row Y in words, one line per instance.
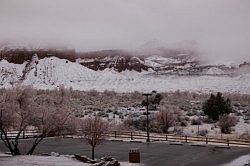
column 174, row 138
column 133, row 135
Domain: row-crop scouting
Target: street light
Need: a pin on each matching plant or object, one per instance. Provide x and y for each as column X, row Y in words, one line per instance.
column 147, row 94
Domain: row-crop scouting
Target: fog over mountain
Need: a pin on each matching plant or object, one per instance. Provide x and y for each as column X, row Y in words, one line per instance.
column 220, row 29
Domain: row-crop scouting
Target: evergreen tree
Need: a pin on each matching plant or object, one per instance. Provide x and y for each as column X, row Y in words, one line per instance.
column 216, row 106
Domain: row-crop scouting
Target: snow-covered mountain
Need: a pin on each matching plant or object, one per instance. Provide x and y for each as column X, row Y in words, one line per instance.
column 117, row 62
column 161, row 74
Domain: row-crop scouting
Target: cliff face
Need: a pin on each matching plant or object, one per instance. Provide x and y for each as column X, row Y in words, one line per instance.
column 98, row 60
column 168, row 62
column 103, row 70
column 21, row 55
column 118, row 63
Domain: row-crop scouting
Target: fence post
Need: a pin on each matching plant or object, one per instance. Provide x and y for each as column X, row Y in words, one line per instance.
column 23, row 135
column 206, row 140
column 186, row 138
column 131, row 135
column 115, row 134
column 166, row 137
column 227, row 142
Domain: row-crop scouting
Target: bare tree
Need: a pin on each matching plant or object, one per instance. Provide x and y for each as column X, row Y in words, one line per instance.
column 167, row 117
column 20, row 109
column 15, row 114
column 226, row 122
column 93, row 129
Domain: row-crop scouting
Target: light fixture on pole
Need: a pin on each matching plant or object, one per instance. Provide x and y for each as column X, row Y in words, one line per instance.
column 147, row 104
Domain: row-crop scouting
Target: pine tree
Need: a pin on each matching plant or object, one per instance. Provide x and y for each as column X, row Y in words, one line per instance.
column 216, row 106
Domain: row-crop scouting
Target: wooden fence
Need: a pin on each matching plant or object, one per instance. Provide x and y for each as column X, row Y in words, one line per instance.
column 23, row 135
column 175, row 138
column 132, row 135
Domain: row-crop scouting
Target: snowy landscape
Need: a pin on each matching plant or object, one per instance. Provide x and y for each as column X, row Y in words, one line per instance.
column 51, row 72
column 105, row 88
column 124, row 83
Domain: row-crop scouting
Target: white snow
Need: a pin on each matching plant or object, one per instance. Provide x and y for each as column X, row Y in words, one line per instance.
column 228, row 64
column 215, row 71
column 47, row 161
column 241, row 161
column 157, row 61
column 4, row 155
column 52, row 72
column 10, row 73
column 39, row 160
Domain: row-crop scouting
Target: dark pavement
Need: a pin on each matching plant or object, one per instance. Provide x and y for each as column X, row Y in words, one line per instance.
column 152, row 154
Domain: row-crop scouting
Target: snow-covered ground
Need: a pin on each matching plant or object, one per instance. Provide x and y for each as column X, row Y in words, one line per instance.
column 239, row 129
column 241, row 161
column 46, row 161
column 39, row 160
column 49, row 73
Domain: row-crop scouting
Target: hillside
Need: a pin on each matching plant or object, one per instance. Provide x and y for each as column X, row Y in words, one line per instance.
column 168, row 75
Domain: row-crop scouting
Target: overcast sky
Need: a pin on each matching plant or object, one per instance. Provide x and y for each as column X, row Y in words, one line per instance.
column 221, row 28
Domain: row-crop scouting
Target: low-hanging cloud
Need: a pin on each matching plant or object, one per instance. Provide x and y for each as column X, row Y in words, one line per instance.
column 220, row 27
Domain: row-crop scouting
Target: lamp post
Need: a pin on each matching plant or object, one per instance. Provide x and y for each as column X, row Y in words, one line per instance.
column 147, row 95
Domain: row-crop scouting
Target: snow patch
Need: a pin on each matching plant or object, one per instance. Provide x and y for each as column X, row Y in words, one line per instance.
column 241, row 161
column 158, row 61
column 47, row 161
column 215, row 71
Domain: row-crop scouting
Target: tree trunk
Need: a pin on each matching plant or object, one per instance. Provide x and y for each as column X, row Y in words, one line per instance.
column 6, row 141
column 37, row 141
column 16, row 150
column 32, row 149
column 93, row 152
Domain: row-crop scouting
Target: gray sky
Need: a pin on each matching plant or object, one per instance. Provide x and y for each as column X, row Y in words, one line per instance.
column 221, row 28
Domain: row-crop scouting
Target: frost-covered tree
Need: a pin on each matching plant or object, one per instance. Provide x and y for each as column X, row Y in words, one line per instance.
column 22, row 109
column 93, row 128
column 167, row 117
column 15, row 114
column 226, row 122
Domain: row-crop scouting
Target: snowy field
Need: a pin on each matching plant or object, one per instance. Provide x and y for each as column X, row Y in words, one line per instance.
column 46, row 161
column 66, row 160
column 49, row 73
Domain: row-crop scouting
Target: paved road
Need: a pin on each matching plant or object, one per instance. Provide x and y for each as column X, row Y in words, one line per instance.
column 152, row 154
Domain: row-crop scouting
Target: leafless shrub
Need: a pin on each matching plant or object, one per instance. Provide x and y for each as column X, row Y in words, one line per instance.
column 167, row 117
column 119, row 126
column 93, row 128
column 245, row 136
column 226, row 122
column 20, row 109
column 247, row 114
column 203, row 132
column 196, row 121
column 178, row 130
column 183, row 121
column 93, row 93
column 136, row 123
column 109, row 93
column 136, row 96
